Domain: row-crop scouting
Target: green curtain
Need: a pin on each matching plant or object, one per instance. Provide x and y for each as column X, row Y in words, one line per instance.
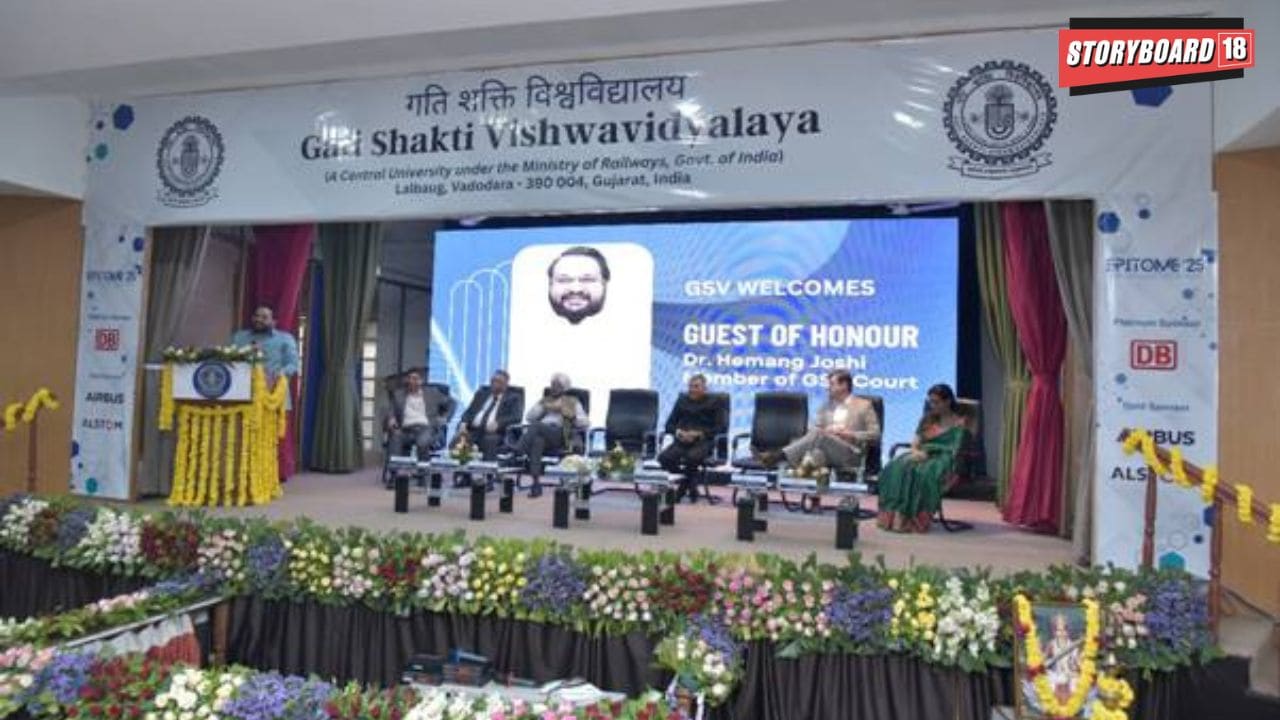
column 1071, row 240
column 1004, row 337
column 349, row 257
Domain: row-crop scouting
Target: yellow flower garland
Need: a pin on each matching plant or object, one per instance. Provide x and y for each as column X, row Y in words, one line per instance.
column 1139, row 438
column 11, row 416
column 166, row 398
column 1114, row 697
column 1209, row 485
column 1035, row 659
column 1152, row 459
column 1244, row 503
column 206, row 470
column 41, row 398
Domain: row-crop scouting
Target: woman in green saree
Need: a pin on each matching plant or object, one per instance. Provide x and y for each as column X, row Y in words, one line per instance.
column 911, row 485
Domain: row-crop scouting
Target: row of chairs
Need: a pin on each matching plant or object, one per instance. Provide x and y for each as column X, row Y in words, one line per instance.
column 778, row 418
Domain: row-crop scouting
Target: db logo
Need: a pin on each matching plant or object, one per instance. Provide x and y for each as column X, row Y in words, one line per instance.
column 106, row 340
column 1153, row 354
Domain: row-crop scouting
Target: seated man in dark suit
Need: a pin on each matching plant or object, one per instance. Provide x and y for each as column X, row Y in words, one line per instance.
column 492, row 410
column 418, row 415
column 693, row 421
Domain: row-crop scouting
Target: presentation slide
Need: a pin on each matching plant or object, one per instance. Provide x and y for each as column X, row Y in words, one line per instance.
column 753, row 306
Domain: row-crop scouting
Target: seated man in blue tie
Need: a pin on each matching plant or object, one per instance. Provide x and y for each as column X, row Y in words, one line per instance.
column 493, row 409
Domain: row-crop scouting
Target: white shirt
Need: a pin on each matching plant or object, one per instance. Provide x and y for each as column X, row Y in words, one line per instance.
column 490, row 407
column 415, row 410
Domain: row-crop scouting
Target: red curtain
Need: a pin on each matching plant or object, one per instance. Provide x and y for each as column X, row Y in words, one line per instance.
column 276, row 268
column 1035, row 493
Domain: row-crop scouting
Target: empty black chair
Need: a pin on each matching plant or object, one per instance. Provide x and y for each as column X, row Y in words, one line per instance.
column 871, row 450
column 779, row 418
column 631, row 422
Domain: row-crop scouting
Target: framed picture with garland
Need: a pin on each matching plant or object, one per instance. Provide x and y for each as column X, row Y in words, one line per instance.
column 1053, row 661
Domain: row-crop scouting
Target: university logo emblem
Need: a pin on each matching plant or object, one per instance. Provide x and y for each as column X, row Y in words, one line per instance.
column 999, row 115
column 188, row 162
column 211, row 380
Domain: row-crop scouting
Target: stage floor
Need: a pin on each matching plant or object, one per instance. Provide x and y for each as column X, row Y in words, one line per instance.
column 359, row 499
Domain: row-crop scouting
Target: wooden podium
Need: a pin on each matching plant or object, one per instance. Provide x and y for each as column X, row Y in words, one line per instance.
column 228, row 426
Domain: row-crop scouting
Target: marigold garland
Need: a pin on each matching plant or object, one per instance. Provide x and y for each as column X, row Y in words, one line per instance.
column 1273, row 524
column 1035, row 659
column 1115, row 695
column 205, row 467
column 1151, row 457
column 1244, row 503
column 1209, row 485
column 41, row 398
column 166, row 398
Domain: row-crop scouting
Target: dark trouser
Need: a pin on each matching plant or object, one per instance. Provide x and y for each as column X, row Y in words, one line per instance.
column 424, row 436
column 537, row 440
column 686, row 459
column 489, row 444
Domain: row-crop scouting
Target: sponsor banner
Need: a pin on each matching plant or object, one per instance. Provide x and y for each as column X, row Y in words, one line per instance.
column 1110, row 54
column 1156, row 348
column 107, row 363
column 975, row 116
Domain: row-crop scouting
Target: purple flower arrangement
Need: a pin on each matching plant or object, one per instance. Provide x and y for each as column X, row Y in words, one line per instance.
column 860, row 613
column 266, row 565
column 60, row 681
column 717, row 635
column 74, row 526
column 270, row 696
column 1177, row 614
column 553, row 584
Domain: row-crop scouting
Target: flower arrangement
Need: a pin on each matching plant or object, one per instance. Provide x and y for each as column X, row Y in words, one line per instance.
column 1114, row 696
column 112, row 542
column 107, row 613
column 15, row 525
column 617, row 596
column 462, row 449
column 617, row 463
column 221, row 555
column 575, row 464
column 445, row 579
column 813, row 466
column 1150, row 620
column 552, row 585
column 968, row 624
column 224, row 353
column 704, row 660
column 19, row 668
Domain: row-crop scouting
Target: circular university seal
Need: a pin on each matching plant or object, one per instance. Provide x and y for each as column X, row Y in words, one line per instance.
column 189, row 158
column 211, row 379
column 1000, row 112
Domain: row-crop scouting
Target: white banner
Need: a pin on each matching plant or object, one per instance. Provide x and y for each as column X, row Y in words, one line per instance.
column 975, row 116
column 1156, row 367
column 961, row 118
column 107, row 358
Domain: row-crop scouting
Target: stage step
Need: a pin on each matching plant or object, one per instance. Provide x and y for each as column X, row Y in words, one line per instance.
column 1248, row 634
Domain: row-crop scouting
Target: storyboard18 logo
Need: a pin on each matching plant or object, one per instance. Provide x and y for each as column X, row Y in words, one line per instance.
column 1109, row 54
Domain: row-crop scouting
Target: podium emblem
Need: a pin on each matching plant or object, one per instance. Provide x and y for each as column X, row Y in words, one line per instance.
column 212, row 380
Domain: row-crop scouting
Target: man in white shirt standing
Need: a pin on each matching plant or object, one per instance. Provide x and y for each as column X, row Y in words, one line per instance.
column 493, row 409
column 419, row 413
